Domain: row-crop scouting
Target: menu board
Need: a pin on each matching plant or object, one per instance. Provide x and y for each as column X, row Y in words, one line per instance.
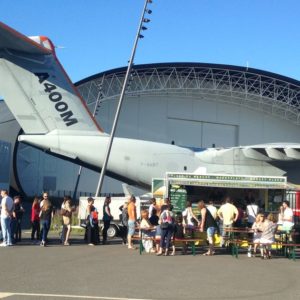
column 178, row 196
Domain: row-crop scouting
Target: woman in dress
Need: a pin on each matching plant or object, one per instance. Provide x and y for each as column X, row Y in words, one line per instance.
column 268, row 236
column 92, row 226
column 147, row 232
column 257, row 228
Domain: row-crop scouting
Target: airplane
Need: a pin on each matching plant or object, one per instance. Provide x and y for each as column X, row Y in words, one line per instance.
column 55, row 118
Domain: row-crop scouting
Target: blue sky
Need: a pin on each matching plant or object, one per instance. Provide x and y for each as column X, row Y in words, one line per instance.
column 98, row 34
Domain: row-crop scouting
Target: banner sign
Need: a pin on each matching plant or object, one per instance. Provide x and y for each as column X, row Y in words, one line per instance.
column 227, row 181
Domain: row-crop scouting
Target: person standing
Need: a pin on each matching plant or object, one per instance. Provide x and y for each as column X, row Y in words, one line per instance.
column 45, row 196
column 287, row 216
column 251, row 211
column 167, row 229
column 67, row 220
column 17, row 219
column 35, row 218
column 208, row 224
column 131, row 221
column 107, row 217
column 153, row 218
column 124, row 221
column 46, row 215
column 7, row 206
column 212, row 209
column 92, row 228
column 228, row 213
column 190, row 216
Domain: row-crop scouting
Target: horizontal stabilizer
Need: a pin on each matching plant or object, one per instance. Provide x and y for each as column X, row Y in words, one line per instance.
column 13, row 40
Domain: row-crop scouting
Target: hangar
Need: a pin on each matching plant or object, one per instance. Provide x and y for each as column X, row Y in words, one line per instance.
column 193, row 105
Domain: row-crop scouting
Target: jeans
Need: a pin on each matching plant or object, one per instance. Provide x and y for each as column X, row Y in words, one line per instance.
column 6, row 230
column 35, row 229
column 166, row 235
column 104, row 231
column 13, row 227
column 45, row 227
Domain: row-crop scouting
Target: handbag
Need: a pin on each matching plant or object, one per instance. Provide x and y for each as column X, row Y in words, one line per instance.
column 83, row 224
column 164, row 225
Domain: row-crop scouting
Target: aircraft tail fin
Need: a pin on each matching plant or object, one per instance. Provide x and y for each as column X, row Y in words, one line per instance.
column 36, row 88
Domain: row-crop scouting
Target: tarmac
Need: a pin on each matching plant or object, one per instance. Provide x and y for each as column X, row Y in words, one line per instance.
column 113, row 272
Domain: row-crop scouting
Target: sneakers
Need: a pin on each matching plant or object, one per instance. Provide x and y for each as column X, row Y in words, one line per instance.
column 249, row 254
column 3, row 245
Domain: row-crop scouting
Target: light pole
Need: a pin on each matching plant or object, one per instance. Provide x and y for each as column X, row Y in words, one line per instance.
column 141, row 27
column 97, row 104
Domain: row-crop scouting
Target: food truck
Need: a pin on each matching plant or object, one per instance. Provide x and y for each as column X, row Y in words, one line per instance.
column 268, row 191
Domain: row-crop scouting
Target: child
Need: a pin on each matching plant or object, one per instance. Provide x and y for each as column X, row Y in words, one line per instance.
column 146, row 232
column 179, row 232
column 257, row 231
column 267, row 236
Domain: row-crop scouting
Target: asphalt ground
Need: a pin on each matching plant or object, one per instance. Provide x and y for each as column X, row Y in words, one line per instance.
column 113, row 272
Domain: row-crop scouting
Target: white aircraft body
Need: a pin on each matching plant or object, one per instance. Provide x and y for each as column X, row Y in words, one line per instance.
column 55, row 118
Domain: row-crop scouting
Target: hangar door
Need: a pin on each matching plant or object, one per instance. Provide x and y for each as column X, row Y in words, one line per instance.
column 201, row 134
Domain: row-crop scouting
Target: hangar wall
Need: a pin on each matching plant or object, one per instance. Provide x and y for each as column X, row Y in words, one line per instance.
column 196, row 123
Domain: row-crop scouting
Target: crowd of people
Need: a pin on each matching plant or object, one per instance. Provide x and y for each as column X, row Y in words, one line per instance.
column 158, row 226
column 42, row 213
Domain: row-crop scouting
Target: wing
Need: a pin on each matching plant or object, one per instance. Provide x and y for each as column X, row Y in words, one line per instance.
column 273, row 151
column 36, row 88
column 263, row 153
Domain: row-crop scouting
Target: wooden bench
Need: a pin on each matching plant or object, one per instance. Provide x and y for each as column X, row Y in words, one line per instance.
column 189, row 241
column 289, row 248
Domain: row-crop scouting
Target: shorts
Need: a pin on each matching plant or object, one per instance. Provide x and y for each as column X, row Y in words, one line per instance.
column 131, row 227
column 211, row 231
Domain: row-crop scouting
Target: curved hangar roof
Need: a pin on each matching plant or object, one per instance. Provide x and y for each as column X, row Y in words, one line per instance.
column 260, row 90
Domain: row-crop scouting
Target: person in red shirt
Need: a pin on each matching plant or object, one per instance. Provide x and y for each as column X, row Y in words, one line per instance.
column 35, row 218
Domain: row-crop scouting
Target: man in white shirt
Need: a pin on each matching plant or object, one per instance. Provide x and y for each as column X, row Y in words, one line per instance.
column 7, row 205
column 228, row 213
column 252, row 212
column 287, row 216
